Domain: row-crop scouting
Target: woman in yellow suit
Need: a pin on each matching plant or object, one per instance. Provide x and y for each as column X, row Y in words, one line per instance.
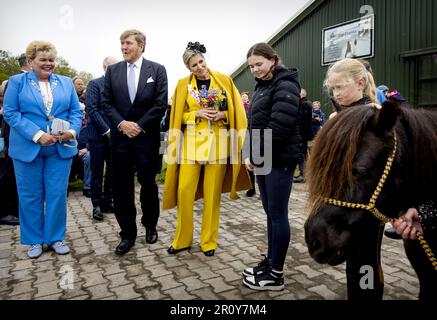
column 207, row 128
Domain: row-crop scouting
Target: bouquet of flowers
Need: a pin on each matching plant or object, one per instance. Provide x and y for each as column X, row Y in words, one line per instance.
column 209, row 99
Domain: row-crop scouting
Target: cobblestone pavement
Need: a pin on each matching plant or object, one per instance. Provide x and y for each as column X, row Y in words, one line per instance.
column 93, row 271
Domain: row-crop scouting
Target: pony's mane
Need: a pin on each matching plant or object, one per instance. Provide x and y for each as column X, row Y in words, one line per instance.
column 335, row 147
column 421, row 129
column 329, row 171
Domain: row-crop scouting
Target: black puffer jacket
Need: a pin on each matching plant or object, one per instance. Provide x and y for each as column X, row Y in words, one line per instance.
column 275, row 105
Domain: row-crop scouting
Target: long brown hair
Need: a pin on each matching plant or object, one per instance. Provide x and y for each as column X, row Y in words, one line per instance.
column 329, row 171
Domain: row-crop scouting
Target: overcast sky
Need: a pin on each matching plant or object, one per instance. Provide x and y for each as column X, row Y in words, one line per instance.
column 86, row 31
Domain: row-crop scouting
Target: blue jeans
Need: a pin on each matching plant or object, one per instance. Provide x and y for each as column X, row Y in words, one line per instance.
column 86, row 170
column 275, row 189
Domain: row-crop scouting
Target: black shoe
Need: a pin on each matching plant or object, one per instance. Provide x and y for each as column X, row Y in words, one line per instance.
column 250, row 192
column 209, row 253
column 124, row 247
column 107, row 208
column 172, row 250
column 97, row 214
column 392, row 234
column 269, row 280
column 151, row 236
column 262, row 267
column 298, row 179
column 10, row 220
column 86, row 193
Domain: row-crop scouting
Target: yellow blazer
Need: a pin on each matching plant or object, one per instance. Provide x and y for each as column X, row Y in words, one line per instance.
column 183, row 114
column 204, row 140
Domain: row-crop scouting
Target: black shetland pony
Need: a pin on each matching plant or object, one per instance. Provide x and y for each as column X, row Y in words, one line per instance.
column 347, row 160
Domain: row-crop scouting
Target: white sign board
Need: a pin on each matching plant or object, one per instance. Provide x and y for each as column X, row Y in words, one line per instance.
column 351, row 39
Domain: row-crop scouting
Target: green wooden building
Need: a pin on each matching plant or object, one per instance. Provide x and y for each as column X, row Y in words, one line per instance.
column 397, row 37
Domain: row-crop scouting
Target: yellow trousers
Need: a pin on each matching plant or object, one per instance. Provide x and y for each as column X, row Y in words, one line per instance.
column 189, row 175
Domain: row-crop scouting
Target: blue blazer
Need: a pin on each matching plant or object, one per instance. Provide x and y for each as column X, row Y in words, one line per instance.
column 97, row 123
column 24, row 111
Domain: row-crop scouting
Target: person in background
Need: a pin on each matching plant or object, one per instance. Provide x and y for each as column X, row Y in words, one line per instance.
column 208, row 111
column 246, row 102
column 306, row 131
column 24, row 64
column 80, row 168
column 99, row 133
column 79, row 86
column 318, row 117
column 274, row 110
column 381, row 93
column 42, row 158
column 135, row 99
column 8, row 187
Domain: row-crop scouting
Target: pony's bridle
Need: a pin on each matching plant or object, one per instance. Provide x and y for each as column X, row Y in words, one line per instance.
column 370, row 207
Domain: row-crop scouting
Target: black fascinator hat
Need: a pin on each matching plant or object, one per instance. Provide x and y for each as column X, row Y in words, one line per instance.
column 196, row 46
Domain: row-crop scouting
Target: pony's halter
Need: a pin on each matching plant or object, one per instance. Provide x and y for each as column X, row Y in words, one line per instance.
column 370, row 207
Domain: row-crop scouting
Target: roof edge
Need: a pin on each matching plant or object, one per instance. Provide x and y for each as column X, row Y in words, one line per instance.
column 287, row 26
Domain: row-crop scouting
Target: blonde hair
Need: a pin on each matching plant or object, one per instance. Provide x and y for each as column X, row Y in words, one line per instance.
column 39, row 46
column 188, row 54
column 352, row 69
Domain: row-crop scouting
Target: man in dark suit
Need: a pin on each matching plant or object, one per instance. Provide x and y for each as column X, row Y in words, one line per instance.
column 306, row 114
column 99, row 133
column 135, row 99
column 8, row 186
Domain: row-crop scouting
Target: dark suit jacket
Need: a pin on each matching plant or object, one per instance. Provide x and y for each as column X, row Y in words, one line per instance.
column 97, row 123
column 150, row 101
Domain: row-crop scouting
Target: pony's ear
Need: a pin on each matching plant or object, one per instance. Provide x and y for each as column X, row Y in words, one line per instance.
column 387, row 117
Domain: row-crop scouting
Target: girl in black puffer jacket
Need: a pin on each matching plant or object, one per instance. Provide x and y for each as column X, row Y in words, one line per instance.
column 273, row 151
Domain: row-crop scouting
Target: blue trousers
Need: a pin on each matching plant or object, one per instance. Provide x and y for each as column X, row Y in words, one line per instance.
column 275, row 189
column 45, row 179
column 86, row 170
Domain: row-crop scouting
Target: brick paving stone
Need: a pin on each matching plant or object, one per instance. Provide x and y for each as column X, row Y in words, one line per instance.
column 182, row 271
column 153, row 294
column 205, row 273
column 149, row 272
column 134, row 270
column 180, row 293
column 125, row 292
column 20, row 287
column 47, row 288
column 310, row 273
column 4, row 273
column 172, row 261
column 99, row 291
column 206, row 294
column 93, row 278
column 168, row 282
column 112, row 268
column 143, row 281
column 229, row 274
column 324, row 292
column 118, row 279
column 45, row 276
column 193, row 283
column 218, row 284
column 157, row 271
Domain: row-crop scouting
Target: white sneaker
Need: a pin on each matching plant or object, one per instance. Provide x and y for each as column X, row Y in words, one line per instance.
column 60, row 247
column 35, row 250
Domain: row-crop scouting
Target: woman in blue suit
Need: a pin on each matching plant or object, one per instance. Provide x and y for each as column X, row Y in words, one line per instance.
column 42, row 158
